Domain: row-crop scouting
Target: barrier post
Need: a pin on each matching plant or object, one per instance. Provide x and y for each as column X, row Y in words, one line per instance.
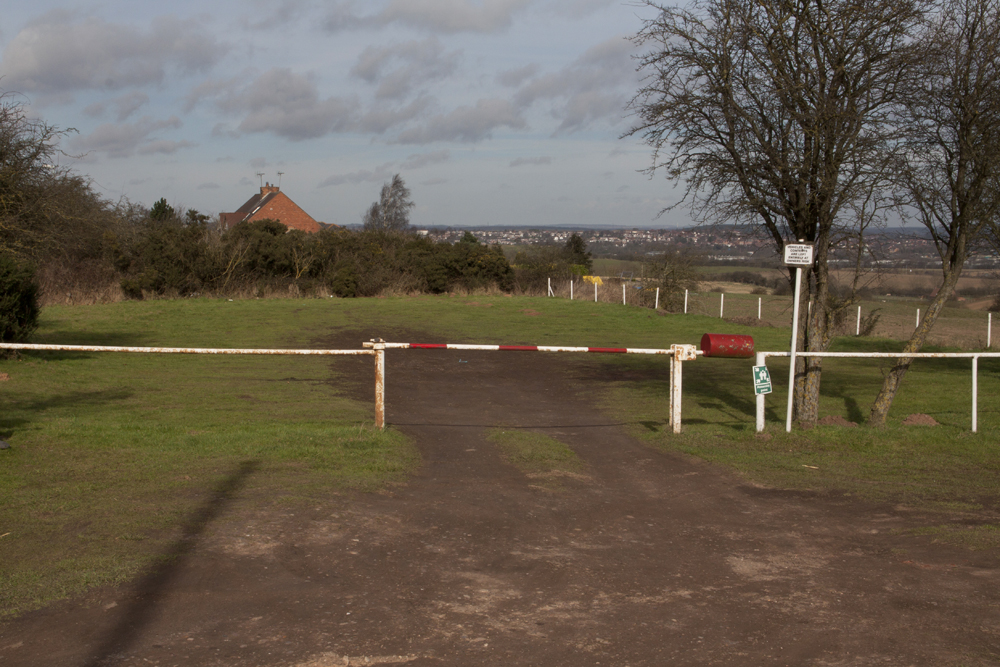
column 379, row 346
column 975, row 392
column 678, row 355
column 760, row 361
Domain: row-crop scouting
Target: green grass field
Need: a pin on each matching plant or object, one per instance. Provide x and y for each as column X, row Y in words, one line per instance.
column 111, row 453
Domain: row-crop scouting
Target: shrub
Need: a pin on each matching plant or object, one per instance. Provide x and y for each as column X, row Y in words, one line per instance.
column 18, row 300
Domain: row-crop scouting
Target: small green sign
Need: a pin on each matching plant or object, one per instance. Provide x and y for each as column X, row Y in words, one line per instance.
column 761, row 380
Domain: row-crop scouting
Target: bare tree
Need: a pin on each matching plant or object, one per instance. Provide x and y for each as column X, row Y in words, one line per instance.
column 391, row 213
column 30, row 182
column 951, row 167
column 777, row 114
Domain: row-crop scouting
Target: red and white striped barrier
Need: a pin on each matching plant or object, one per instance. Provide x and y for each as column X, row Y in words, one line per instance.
column 677, row 353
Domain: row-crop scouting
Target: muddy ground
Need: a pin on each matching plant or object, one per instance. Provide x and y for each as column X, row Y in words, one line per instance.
column 647, row 558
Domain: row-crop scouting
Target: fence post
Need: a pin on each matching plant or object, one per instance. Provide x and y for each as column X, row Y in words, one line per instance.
column 761, row 361
column 678, row 355
column 760, row 300
column 857, row 331
column 595, row 291
column 379, row 347
column 918, row 319
column 657, row 306
column 571, row 290
column 685, row 302
column 550, row 288
column 623, row 295
column 975, row 392
column 989, row 330
column 722, row 305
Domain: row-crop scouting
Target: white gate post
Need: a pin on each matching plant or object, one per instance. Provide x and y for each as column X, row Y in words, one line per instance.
column 679, row 354
column 761, row 361
column 379, row 347
column 975, row 392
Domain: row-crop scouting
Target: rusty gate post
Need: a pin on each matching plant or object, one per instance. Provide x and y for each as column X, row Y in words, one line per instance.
column 379, row 346
column 678, row 355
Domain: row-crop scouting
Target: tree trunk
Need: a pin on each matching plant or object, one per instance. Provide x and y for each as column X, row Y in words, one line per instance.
column 880, row 408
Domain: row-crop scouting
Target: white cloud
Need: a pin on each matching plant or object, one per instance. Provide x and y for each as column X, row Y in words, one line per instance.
column 515, row 77
column 384, row 117
column 164, row 147
column 123, row 140
column 283, row 103
column 466, row 124
column 416, row 63
column 381, row 173
column 440, row 16
column 126, row 105
column 61, row 52
column 595, row 87
column 420, row 160
column 208, row 186
column 535, row 161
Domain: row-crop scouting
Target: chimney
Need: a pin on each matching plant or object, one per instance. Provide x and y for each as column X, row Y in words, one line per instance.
column 267, row 188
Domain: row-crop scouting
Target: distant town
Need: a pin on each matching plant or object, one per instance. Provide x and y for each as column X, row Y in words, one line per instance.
column 721, row 245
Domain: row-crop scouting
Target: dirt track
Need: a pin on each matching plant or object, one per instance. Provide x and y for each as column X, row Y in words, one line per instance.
column 647, row 559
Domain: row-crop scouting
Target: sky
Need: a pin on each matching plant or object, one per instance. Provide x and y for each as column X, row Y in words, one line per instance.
column 494, row 112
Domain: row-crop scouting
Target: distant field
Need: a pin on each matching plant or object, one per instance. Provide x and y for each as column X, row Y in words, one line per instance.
column 110, row 452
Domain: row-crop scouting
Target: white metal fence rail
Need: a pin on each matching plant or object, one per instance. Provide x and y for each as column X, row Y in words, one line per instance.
column 376, row 348
column 974, row 356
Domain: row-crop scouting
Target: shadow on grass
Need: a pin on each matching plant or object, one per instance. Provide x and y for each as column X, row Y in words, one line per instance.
column 75, row 399
column 151, row 587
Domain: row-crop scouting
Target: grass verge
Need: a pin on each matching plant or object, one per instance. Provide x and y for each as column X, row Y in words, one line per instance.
column 112, row 453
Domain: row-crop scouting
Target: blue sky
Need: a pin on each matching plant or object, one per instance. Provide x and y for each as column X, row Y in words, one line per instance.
column 495, row 112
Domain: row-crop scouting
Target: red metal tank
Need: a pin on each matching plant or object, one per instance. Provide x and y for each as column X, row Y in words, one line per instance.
column 727, row 345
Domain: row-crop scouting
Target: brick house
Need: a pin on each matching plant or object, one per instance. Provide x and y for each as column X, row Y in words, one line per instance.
column 271, row 204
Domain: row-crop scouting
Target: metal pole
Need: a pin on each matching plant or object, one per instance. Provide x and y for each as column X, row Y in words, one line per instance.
column 722, row 304
column 685, row 302
column 623, row 294
column 760, row 300
column 989, row 330
column 657, row 306
column 680, row 352
column 595, row 292
column 857, row 331
column 761, row 361
column 975, row 392
column 795, row 340
column 379, row 347
column 571, row 290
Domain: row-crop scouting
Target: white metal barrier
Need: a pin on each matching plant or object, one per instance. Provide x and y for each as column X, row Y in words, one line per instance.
column 762, row 361
column 376, row 348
